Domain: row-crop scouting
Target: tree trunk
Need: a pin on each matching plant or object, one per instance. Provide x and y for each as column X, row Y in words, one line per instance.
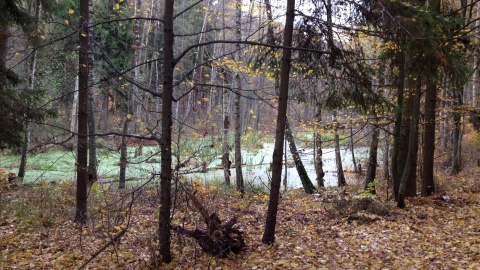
column 166, row 138
column 428, row 185
column 457, row 127
column 226, row 125
column 372, row 161
column 92, row 144
column 123, row 152
column 74, row 118
column 92, row 139
column 338, row 158
column 318, row 146
column 238, row 87
column 386, row 153
column 82, row 147
column 31, row 84
column 398, row 123
column 271, row 219
column 412, row 144
column 352, row 146
column 302, row 173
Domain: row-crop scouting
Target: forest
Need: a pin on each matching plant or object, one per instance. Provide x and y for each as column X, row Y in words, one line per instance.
column 235, row 134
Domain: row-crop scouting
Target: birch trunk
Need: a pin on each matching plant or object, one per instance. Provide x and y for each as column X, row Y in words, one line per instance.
column 238, row 87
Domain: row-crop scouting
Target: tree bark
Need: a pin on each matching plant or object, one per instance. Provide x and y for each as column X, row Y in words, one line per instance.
column 338, row 158
column 92, row 144
column 123, row 153
column 226, row 126
column 271, row 219
column 457, row 127
column 428, row 185
column 31, row 84
column 74, row 115
column 398, row 123
column 318, row 146
column 302, row 173
column 82, row 142
column 352, row 146
column 238, row 87
column 372, row 161
column 166, row 138
column 412, row 144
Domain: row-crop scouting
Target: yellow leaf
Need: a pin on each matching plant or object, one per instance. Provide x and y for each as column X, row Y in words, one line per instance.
column 205, row 99
column 198, row 102
column 116, row 7
column 71, row 11
column 84, row 35
column 129, row 116
column 251, row 112
column 214, row 124
column 67, row 22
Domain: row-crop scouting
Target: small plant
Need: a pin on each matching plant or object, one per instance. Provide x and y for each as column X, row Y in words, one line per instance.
column 370, row 190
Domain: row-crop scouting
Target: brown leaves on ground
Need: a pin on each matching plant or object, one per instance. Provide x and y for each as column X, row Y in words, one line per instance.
column 440, row 232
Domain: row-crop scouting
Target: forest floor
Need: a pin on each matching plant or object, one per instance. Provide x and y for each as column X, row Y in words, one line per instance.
column 323, row 231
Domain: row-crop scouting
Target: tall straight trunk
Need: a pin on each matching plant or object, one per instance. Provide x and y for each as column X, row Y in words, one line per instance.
column 225, row 113
column 412, row 144
column 372, row 161
column 428, row 150
column 31, row 84
column 271, row 219
column 136, row 71
column 92, row 139
column 92, row 144
column 238, row 87
column 352, row 146
column 226, row 126
column 386, row 153
column 123, row 153
column 338, row 158
column 409, row 110
column 428, row 185
column 166, row 138
column 74, row 114
column 444, row 136
column 398, row 123
column 457, row 127
column 302, row 173
column 26, row 144
column 82, row 142
column 318, row 146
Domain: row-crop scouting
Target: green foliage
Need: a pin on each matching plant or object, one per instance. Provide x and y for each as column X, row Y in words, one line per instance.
column 116, row 41
column 370, row 190
column 17, row 106
column 12, row 12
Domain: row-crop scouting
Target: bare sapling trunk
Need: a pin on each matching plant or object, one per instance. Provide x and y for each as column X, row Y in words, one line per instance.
column 302, row 173
column 271, row 218
column 238, row 88
column 123, row 152
column 338, row 158
column 318, row 146
column 82, row 142
column 352, row 146
column 372, row 162
column 166, row 176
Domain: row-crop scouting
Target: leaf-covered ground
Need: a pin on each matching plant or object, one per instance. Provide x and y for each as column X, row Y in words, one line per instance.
column 313, row 232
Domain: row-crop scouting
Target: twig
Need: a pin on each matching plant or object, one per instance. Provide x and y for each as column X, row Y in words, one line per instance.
column 94, row 255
